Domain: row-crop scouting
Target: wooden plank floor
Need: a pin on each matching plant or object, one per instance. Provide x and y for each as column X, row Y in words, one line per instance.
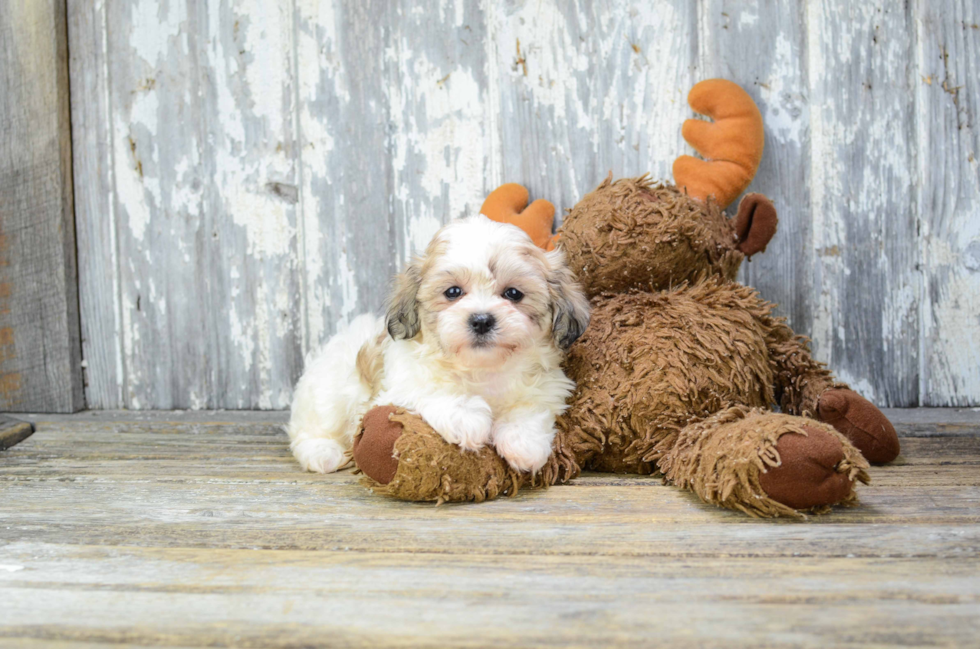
column 198, row 529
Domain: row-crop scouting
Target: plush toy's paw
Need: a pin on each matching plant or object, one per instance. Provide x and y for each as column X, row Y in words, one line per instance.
column 861, row 422
column 374, row 447
column 402, row 457
column 810, row 471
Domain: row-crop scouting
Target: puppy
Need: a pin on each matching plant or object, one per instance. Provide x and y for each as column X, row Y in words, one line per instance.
column 472, row 341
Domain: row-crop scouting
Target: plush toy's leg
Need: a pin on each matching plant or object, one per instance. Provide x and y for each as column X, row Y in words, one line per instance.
column 861, row 422
column 402, row 457
column 805, row 387
column 764, row 464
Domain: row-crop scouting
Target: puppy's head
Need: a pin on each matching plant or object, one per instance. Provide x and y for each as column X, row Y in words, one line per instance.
column 483, row 292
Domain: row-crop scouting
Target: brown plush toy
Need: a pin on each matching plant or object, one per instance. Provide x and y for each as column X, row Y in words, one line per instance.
column 678, row 370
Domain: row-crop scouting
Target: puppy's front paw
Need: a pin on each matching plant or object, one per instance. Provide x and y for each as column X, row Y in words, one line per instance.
column 466, row 422
column 319, row 455
column 526, row 445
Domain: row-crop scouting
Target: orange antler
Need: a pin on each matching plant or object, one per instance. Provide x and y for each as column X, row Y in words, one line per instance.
column 508, row 204
column 731, row 145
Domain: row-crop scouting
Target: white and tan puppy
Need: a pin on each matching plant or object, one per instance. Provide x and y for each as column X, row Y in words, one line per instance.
column 472, row 341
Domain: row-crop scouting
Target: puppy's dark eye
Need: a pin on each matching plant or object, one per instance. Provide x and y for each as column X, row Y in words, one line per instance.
column 453, row 292
column 513, row 294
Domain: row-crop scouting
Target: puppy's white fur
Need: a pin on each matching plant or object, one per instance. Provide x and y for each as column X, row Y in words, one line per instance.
column 504, row 387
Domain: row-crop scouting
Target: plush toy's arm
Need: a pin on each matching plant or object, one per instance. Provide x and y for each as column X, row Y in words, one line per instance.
column 403, row 457
column 799, row 378
column 508, row 204
column 804, row 386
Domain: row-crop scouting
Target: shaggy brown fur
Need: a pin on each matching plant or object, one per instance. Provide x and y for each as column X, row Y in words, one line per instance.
column 430, row 469
column 677, row 372
column 722, row 458
column 649, row 236
column 652, row 363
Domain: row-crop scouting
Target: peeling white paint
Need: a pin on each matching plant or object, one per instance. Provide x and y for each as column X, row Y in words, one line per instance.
column 747, row 19
column 871, row 201
column 267, row 226
column 442, row 158
column 262, row 28
column 154, row 27
column 421, row 231
column 348, row 285
column 861, row 385
column 198, row 139
column 785, row 108
column 263, row 336
column 242, row 336
column 827, row 227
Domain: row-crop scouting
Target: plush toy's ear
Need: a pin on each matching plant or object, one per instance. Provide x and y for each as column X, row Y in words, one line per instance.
column 508, row 204
column 755, row 224
column 731, row 145
column 402, row 317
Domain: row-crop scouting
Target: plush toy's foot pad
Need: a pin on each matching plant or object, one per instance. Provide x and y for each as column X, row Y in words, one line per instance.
column 809, row 474
column 374, row 446
column 861, row 422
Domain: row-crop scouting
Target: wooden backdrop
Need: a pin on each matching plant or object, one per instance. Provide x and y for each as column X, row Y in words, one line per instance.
column 250, row 173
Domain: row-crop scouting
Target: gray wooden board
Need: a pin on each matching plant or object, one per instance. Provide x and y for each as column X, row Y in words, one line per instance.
column 13, row 431
column 864, row 217
column 732, row 37
column 251, row 175
column 98, row 278
column 948, row 133
column 40, row 347
column 199, row 529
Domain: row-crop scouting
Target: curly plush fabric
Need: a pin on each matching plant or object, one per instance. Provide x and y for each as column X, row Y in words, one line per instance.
column 722, row 458
column 431, row 469
column 651, row 363
column 649, row 236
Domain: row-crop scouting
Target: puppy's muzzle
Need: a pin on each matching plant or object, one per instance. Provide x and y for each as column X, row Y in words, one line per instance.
column 482, row 323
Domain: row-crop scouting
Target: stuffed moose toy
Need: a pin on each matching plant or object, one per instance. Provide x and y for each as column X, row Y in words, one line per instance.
column 680, row 366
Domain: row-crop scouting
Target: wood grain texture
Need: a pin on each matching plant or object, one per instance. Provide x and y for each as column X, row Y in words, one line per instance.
column 948, row 137
column 95, row 206
column 267, row 598
column 864, row 215
column 582, row 89
column 40, row 351
column 254, row 173
column 199, row 529
column 733, row 33
column 349, row 248
column 13, row 431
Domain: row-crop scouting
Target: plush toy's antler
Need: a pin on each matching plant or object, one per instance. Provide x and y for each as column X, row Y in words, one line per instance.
column 731, row 145
column 508, row 204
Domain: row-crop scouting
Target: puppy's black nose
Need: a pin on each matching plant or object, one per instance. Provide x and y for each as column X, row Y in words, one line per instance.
column 482, row 323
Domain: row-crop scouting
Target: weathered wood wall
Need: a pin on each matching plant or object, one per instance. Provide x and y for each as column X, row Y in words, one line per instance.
column 40, row 344
column 249, row 174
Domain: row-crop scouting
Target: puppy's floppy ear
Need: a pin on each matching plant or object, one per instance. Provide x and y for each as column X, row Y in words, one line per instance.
column 569, row 305
column 402, row 318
